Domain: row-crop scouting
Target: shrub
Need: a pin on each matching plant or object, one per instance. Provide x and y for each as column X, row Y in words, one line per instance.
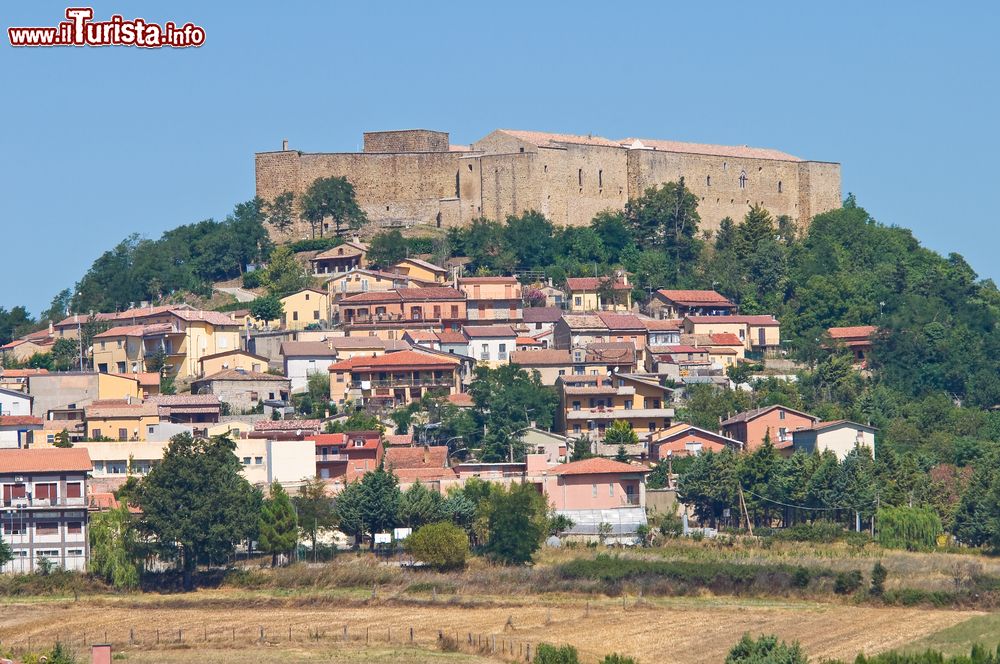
column 800, row 577
column 315, row 244
column 910, row 528
column 821, row 532
column 765, row 650
column 615, row 658
column 251, row 280
column 879, row 574
column 549, row 654
column 847, row 582
column 442, row 546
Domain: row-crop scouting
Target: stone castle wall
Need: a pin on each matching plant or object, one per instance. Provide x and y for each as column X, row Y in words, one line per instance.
column 411, row 177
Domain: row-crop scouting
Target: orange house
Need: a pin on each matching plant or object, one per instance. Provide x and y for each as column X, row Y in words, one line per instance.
column 686, row 440
column 752, row 426
column 393, row 379
column 443, row 307
column 492, row 298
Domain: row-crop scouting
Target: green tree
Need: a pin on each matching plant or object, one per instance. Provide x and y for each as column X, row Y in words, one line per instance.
column 529, row 237
column 666, row 218
column 620, row 432
column 315, row 510
column 582, row 446
column 516, row 519
column 280, row 211
column 6, row 555
column 59, row 307
column 197, row 499
column 284, row 274
column 550, row 654
column 418, row 506
column 348, row 510
column 765, row 650
column 113, row 548
column 507, row 399
column 279, row 528
column 66, row 354
column 62, row 439
column 267, row 308
column 441, row 546
column 387, row 248
column 380, row 499
column 333, row 198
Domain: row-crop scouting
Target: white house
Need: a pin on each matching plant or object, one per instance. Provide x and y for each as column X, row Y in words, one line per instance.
column 14, row 403
column 840, row 436
column 491, row 344
column 306, row 357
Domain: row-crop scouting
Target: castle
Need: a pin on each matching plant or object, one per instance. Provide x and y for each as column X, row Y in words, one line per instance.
column 417, row 176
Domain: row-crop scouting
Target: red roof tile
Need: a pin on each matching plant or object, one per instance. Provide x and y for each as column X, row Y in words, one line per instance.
column 855, row 332
column 592, row 283
column 22, row 373
column 403, row 358
column 461, row 399
column 488, row 331
column 595, row 466
column 726, row 339
column 694, row 297
column 416, row 457
column 19, row 420
column 762, row 321
column 43, row 460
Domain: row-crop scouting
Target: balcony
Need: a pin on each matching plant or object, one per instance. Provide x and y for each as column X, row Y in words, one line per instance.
column 443, row 381
column 331, row 457
column 35, row 503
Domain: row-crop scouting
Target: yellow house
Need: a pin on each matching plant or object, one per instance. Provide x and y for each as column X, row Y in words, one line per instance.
column 598, row 294
column 363, row 281
column 307, row 307
column 233, row 359
column 120, row 420
column 177, row 338
column 589, row 404
column 758, row 333
column 419, row 270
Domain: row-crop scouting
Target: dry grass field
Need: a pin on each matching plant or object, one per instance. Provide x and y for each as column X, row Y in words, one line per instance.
column 228, row 624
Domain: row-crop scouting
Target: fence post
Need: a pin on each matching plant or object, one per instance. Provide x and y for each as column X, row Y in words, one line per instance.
column 131, row 635
column 345, row 631
column 261, row 632
column 180, row 636
column 289, row 632
column 388, row 634
column 234, row 633
column 367, row 634
column 411, row 634
column 157, row 637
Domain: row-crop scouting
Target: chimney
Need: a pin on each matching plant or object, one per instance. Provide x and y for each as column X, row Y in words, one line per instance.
column 284, row 145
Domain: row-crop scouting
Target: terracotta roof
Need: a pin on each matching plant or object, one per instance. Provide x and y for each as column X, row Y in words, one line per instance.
column 403, row 358
column 328, row 438
column 763, row 321
column 487, row 280
column 461, row 399
column 286, row 425
column 694, row 297
column 451, row 337
column 408, row 475
column 237, row 351
column 424, row 264
column 42, row 460
column 184, row 400
column 107, row 408
column 739, row 151
column 340, row 251
column 210, row 317
column 416, row 457
column 591, row 321
column 19, row 420
column 621, row 321
column 855, row 332
column 748, row 415
column 541, row 357
column 596, row 465
column 547, row 139
column 428, row 293
column 592, row 283
column 541, row 314
column 819, row 426
column 401, row 439
column 683, row 427
column 678, row 348
column 373, row 297
column 307, row 288
column 527, row 341
column 307, row 349
column 488, row 331
column 348, row 343
column 610, row 351
column 242, row 374
column 137, row 330
column 21, row 373
column 421, row 335
column 662, row 325
column 726, row 339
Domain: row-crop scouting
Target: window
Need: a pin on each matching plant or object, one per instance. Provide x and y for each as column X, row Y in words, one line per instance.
column 74, row 552
column 454, row 311
column 122, row 434
column 579, row 177
column 779, row 186
column 782, row 434
column 562, row 372
column 50, row 438
column 594, row 491
column 708, row 180
column 576, row 428
column 45, row 491
column 307, row 296
column 12, row 526
column 781, row 414
column 577, row 300
column 74, row 490
column 47, row 553
column 457, row 181
column 611, row 488
column 295, row 315
column 74, row 528
column 47, row 528
column 316, row 314
column 258, row 461
column 652, row 427
column 628, row 404
column 246, row 461
column 743, row 179
column 95, row 433
column 600, row 179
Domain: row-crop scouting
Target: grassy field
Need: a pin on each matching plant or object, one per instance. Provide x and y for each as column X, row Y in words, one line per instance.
column 300, row 614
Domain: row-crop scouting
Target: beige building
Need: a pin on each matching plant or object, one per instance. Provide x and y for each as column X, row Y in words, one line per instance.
column 758, row 333
column 598, row 294
column 120, row 420
column 417, row 176
column 310, row 306
column 234, row 359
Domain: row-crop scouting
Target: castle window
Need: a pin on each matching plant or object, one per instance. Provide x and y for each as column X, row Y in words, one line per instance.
column 579, row 177
column 545, row 168
column 779, row 186
column 470, row 167
column 522, row 149
column 600, row 179
column 743, row 179
column 456, row 185
column 725, row 166
column 708, row 180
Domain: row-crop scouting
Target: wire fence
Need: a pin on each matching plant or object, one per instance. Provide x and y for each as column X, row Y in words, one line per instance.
column 505, row 646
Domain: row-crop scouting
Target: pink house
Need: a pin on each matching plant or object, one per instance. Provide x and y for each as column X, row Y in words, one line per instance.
column 596, row 484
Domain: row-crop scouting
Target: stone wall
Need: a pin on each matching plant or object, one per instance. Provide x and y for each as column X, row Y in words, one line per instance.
column 407, row 140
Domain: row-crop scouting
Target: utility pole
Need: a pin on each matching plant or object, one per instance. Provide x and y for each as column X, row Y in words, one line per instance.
column 746, row 514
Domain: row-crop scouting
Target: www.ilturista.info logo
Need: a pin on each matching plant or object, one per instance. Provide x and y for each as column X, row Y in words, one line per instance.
column 81, row 30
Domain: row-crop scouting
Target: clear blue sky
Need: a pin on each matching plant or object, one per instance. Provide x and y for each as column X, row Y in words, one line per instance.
column 101, row 143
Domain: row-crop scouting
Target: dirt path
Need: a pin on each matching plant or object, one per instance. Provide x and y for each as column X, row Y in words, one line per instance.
column 675, row 630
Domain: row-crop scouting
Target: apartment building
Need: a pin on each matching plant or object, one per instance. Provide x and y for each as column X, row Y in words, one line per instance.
column 589, row 404
column 395, row 379
column 492, row 298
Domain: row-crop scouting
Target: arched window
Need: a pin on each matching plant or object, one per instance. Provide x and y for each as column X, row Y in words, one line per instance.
column 743, row 179
column 779, row 186
column 708, row 180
